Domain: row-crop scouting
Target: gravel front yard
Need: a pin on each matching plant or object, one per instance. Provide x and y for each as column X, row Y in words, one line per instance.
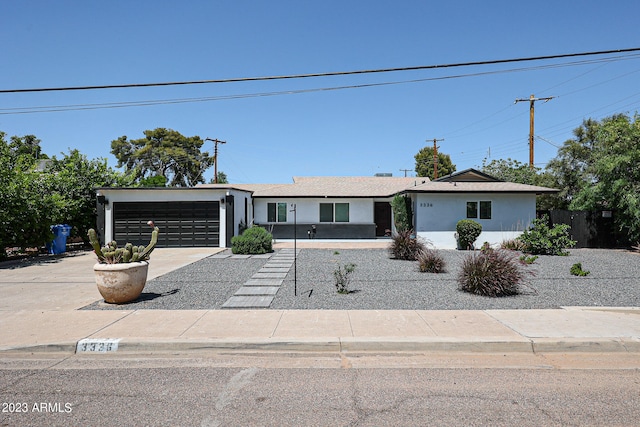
column 381, row 283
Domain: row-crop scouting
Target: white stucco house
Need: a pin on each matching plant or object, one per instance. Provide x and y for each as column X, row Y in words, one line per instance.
column 317, row 207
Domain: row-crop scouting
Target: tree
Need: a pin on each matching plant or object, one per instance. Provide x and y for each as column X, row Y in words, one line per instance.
column 163, row 152
column 222, row 178
column 569, row 170
column 511, row 171
column 424, row 163
column 514, row 171
column 75, row 180
column 28, row 206
column 611, row 175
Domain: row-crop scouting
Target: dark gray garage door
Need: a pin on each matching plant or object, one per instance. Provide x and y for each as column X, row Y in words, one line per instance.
column 180, row 223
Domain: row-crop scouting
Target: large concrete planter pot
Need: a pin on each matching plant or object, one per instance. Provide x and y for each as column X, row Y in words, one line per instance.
column 120, row 283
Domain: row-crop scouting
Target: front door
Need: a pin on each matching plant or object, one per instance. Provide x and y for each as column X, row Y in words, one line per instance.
column 382, row 218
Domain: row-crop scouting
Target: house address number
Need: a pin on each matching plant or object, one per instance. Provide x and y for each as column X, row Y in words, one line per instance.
column 104, row 345
column 426, row 205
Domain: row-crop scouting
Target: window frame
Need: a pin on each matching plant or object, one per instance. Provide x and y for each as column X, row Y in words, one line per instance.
column 338, row 212
column 274, row 211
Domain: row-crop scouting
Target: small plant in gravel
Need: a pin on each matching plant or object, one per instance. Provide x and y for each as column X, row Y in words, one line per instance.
column 540, row 239
column 512, row 245
column 576, row 270
column 528, row 259
column 342, row 279
column 406, row 246
column 430, row 261
column 494, row 274
column 467, row 232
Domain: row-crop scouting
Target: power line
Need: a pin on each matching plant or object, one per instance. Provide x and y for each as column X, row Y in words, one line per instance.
column 327, row 74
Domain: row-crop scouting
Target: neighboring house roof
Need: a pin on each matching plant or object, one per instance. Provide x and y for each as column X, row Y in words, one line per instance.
column 479, row 187
column 336, row 186
column 471, row 175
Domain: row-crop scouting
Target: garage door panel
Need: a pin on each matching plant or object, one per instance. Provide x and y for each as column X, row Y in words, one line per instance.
column 180, row 223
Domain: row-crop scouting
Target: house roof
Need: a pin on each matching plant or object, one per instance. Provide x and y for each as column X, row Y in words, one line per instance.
column 336, row 186
column 471, row 175
column 479, row 187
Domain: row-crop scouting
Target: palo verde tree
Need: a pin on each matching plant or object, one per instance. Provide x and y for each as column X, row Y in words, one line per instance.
column 163, row 152
column 425, row 163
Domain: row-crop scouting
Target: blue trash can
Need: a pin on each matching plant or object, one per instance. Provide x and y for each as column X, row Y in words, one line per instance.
column 60, row 233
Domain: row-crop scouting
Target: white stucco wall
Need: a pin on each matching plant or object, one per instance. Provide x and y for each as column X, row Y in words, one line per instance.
column 437, row 216
column 308, row 210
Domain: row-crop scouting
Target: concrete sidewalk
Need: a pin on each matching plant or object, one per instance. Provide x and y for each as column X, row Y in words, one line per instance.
column 39, row 312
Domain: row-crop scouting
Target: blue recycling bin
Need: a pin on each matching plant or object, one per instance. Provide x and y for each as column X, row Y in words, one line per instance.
column 60, row 233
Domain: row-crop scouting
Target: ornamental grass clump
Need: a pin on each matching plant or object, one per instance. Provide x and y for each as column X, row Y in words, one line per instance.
column 406, row 246
column 430, row 261
column 495, row 273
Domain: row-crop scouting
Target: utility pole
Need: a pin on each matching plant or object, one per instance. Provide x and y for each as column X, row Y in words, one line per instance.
column 435, row 157
column 215, row 157
column 405, row 171
column 532, row 99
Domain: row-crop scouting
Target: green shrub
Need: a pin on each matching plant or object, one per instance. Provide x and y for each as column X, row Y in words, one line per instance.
column 539, row 239
column 342, row 278
column 468, row 231
column 406, row 246
column 576, row 270
column 496, row 273
column 430, row 261
column 402, row 213
column 255, row 240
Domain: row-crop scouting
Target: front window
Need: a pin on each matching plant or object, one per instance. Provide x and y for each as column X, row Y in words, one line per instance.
column 484, row 211
column 276, row 212
column 334, row 212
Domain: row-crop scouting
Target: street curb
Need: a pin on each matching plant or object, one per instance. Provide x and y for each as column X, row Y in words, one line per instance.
column 353, row 345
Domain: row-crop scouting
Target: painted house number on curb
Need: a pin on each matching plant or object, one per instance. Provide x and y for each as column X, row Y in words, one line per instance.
column 103, row 345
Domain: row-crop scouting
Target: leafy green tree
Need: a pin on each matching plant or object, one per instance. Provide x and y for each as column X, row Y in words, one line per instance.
column 611, row 177
column 222, row 178
column 28, row 205
column 511, row 171
column 514, row 171
column 570, row 170
column 163, row 152
column 75, row 180
column 424, row 163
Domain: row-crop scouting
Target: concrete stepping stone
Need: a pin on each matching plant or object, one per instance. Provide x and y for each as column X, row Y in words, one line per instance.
column 260, row 275
column 264, row 282
column 257, row 290
column 248, row 302
column 268, row 269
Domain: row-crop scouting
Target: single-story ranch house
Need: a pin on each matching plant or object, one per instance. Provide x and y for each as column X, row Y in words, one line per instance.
column 318, row 207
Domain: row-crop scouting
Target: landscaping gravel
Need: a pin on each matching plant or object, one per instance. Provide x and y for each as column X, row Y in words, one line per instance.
column 381, row 283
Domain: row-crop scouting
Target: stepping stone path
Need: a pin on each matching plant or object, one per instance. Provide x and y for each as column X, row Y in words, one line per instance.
column 261, row 289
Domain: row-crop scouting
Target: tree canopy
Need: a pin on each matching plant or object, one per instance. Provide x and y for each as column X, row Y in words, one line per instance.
column 424, row 163
column 35, row 196
column 600, row 170
column 163, row 152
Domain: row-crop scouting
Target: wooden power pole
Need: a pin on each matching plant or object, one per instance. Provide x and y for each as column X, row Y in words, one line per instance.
column 215, row 157
column 435, row 157
column 532, row 99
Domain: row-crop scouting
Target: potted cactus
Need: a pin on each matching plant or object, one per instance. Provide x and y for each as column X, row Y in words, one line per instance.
column 121, row 272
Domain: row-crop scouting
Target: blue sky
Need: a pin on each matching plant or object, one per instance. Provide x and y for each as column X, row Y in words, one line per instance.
column 349, row 132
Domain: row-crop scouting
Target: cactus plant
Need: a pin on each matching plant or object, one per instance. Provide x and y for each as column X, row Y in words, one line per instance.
column 112, row 254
